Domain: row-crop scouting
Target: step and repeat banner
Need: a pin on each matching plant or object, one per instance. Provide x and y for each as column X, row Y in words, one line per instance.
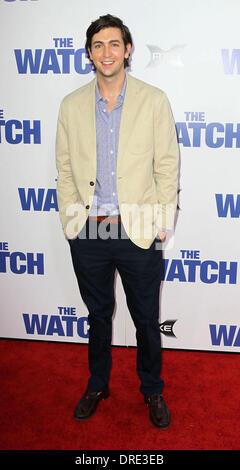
column 191, row 50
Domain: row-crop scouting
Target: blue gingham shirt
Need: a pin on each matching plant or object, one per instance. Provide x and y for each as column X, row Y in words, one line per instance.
column 107, row 132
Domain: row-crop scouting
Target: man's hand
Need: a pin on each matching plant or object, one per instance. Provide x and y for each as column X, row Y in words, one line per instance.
column 162, row 235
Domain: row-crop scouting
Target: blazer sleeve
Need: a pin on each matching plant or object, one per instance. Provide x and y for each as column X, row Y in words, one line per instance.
column 67, row 194
column 166, row 163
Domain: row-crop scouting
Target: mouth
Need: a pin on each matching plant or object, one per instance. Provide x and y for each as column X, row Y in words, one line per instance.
column 107, row 63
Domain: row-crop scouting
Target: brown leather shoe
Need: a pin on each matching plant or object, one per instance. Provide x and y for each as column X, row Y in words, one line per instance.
column 87, row 405
column 158, row 411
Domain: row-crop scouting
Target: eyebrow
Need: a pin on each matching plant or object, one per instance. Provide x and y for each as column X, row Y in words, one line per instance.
column 102, row 42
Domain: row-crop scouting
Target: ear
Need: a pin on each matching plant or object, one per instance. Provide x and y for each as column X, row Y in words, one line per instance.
column 127, row 50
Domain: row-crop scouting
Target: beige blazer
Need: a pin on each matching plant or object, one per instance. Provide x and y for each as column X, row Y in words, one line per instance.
column 147, row 162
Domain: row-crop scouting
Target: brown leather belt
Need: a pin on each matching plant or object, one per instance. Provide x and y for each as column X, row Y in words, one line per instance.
column 109, row 219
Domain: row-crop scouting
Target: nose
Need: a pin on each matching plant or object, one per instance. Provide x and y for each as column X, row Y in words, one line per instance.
column 106, row 50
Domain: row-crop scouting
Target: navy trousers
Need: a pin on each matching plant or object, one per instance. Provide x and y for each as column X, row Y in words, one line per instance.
column 95, row 260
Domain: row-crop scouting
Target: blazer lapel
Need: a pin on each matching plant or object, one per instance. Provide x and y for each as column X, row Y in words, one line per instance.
column 129, row 112
column 86, row 121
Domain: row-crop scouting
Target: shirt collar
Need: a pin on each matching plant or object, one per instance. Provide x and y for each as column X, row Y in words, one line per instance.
column 120, row 96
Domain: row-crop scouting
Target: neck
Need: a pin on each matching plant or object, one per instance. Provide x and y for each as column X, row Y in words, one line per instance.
column 110, row 87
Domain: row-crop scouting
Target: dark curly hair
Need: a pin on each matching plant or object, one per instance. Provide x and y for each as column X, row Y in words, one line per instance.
column 107, row 21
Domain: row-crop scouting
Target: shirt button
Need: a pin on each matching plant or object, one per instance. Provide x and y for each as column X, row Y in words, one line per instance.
column 111, row 130
column 113, row 173
column 87, row 207
column 113, row 194
column 111, row 151
column 92, row 183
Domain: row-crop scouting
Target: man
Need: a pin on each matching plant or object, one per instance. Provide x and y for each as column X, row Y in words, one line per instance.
column 117, row 161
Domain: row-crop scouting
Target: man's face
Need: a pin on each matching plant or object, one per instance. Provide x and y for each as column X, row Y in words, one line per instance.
column 108, row 52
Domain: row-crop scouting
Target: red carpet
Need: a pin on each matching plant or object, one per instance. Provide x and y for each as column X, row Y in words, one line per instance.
column 41, row 383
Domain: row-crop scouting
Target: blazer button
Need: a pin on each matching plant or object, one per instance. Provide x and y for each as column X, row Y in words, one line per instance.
column 87, row 207
column 92, row 183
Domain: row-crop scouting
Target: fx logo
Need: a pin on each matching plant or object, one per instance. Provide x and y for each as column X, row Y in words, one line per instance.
column 167, row 328
column 171, row 57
